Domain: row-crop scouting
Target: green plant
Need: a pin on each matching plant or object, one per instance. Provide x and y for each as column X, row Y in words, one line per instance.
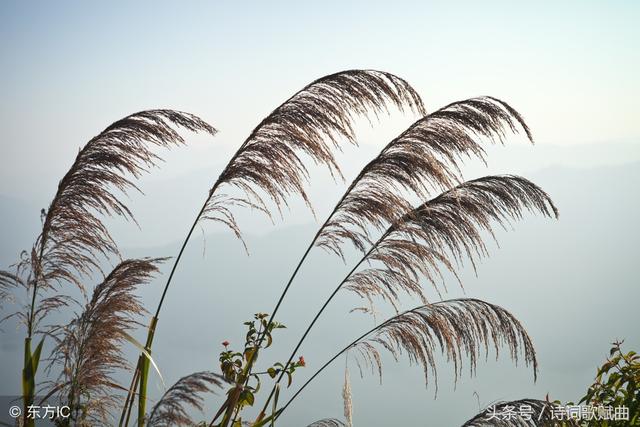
column 617, row 385
column 612, row 400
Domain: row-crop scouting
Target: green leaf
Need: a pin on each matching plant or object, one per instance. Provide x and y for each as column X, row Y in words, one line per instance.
column 289, row 379
column 35, row 358
column 275, row 404
column 269, row 340
column 144, row 351
column 248, row 353
column 268, row 419
column 272, row 372
column 247, row 397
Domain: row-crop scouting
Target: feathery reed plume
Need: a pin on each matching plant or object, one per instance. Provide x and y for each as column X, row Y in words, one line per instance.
column 347, row 398
column 442, row 232
column 459, row 327
column 73, row 232
column 539, row 413
column 90, row 350
column 313, row 122
column 73, row 236
column 328, row 422
column 423, row 158
column 171, row 409
column 448, row 226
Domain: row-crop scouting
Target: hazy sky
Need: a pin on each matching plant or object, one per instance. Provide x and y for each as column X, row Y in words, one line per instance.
column 71, row 68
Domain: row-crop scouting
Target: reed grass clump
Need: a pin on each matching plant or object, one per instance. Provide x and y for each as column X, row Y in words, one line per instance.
column 410, row 214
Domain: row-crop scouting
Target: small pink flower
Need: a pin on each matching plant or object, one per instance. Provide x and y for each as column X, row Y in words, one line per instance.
column 301, row 361
column 225, row 343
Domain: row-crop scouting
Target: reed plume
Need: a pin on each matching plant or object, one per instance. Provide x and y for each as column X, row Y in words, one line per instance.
column 458, row 327
column 539, row 414
column 442, row 233
column 90, row 350
column 313, row 123
column 439, row 232
column 73, row 233
column 424, row 158
column 74, row 240
column 347, row 398
column 171, row 409
column 328, row 422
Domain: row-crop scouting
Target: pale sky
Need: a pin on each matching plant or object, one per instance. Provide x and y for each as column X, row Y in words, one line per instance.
column 71, row 68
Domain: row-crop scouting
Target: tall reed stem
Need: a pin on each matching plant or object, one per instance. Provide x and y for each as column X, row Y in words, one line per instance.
column 340, row 353
column 313, row 322
column 286, row 289
column 28, row 369
column 142, row 370
column 295, row 272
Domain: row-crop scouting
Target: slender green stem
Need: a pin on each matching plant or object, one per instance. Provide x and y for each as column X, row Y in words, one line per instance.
column 28, row 370
column 313, row 242
column 140, row 376
column 299, row 265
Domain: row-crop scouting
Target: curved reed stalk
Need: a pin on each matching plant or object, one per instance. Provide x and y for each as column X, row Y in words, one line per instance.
column 90, row 350
column 438, row 232
column 459, row 327
column 539, row 414
column 312, row 123
column 171, row 409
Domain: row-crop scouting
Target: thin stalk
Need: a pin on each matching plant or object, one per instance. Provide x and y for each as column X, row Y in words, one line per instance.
column 142, row 370
column 341, row 352
column 130, row 396
column 313, row 322
column 29, row 375
column 284, row 292
column 304, row 257
column 140, row 376
column 353, row 184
